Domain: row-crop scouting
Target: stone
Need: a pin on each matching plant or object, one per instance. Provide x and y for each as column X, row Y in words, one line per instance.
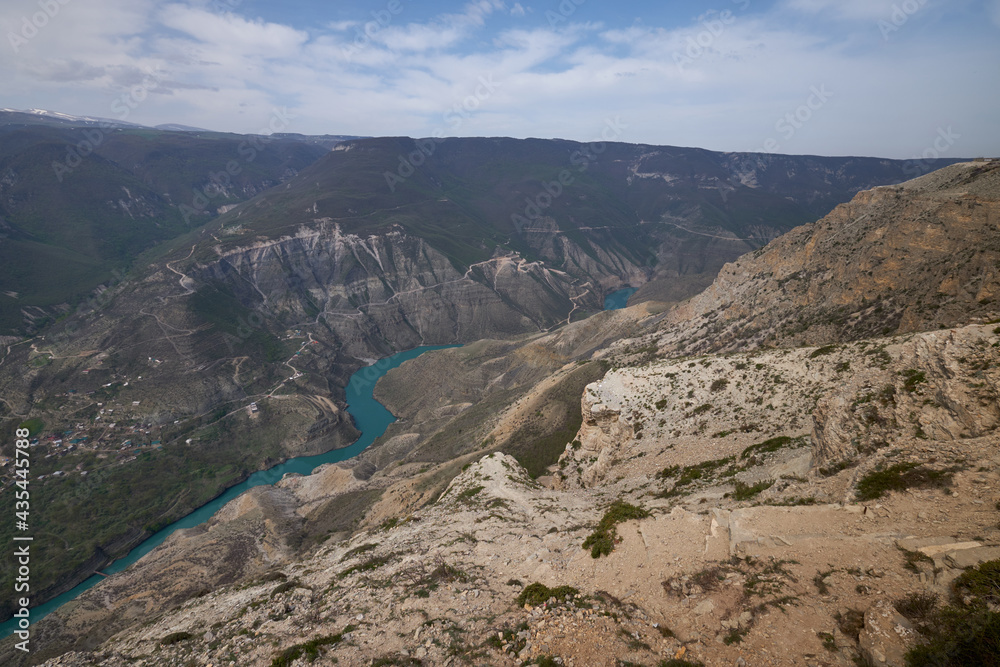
column 971, row 557
column 705, row 607
column 887, row 635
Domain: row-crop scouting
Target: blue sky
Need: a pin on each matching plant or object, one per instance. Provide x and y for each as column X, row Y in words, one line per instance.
column 893, row 78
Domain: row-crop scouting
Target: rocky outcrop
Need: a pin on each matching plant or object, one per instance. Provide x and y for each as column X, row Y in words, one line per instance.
column 897, row 259
column 887, row 635
column 253, row 533
column 604, row 432
column 939, row 385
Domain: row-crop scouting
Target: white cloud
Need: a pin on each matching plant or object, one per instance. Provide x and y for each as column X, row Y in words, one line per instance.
column 858, row 10
column 233, row 33
column 228, row 72
column 518, row 10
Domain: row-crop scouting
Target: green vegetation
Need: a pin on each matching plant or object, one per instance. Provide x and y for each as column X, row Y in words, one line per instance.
column 34, row 426
column 372, row 563
column 746, row 492
column 358, row 550
column 602, row 541
column 536, row 594
column 468, row 494
column 914, row 558
column 677, row 662
column 967, row 632
column 913, row 379
column 820, row 351
column 543, row 438
column 719, row 385
column 900, row 477
column 175, row 637
column 690, row 474
column 67, row 235
column 310, row 650
column 773, row 445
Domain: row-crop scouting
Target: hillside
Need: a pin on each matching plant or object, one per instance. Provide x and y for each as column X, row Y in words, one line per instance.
column 78, row 202
column 278, row 300
column 731, row 486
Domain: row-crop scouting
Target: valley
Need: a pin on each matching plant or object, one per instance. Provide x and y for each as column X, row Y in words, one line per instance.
column 232, row 351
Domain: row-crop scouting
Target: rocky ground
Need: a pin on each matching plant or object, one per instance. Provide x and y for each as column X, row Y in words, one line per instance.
column 799, row 572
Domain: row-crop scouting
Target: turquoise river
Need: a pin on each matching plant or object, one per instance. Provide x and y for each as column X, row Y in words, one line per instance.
column 370, row 417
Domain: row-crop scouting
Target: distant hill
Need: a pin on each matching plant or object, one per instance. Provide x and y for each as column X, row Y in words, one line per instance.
column 78, row 202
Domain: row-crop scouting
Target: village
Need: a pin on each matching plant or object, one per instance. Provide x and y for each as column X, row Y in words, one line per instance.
column 102, row 426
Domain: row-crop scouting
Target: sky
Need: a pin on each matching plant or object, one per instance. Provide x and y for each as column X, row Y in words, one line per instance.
column 890, row 78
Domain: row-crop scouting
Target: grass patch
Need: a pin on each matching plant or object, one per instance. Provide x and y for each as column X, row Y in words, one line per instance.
column 536, row 594
column 912, row 379
column 772, row 445
column 748, row 491
column 602, row 540
column 820, row 351
column 358, row 550
column 900, row 477
column 690, row 474
column 367, row 566
column 470, row 493
column 913, row 558
column 175, row 637
column 310, row 650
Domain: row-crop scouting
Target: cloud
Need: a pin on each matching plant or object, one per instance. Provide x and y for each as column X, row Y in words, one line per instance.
column 444, row 32
column 671, row 82
column 854, row 10
column 233, row 33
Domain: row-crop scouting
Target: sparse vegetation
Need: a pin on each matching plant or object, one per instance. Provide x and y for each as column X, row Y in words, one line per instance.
column 602, row 541
column 536, row 594
column 748, row 491
column 912, row 379
column 899, row 477
column 175, row 637
column 967, row 632
column 309, row 650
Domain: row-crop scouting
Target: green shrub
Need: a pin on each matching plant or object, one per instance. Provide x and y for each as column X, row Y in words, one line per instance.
column 175, row 637
column 310, row 649
column 967, row 632
column 820, row 351
column 912, row 379
column 602, row 540
column 748, row 491
column 535, row 594
column 900, row 477
column 719, row 385
column 772, row 445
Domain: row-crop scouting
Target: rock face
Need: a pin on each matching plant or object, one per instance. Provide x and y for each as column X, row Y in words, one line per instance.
column 603, row 431
column 397, row 286
column 887, row 635
column 898, row 259
column 918, row 388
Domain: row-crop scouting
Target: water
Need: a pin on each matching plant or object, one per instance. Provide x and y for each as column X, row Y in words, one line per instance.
column 370, row 417
column 618, row 300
